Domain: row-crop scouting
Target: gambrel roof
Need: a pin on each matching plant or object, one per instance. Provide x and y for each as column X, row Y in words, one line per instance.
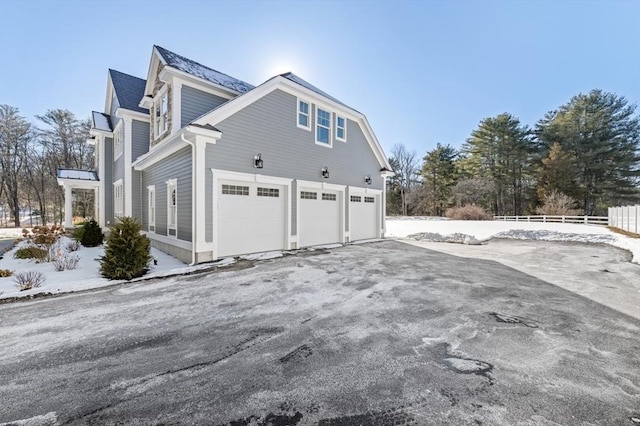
column 129, row 90
column 291, row 76
column 196, row 69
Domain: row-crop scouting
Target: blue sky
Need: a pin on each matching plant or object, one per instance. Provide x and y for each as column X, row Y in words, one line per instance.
column 422, row 71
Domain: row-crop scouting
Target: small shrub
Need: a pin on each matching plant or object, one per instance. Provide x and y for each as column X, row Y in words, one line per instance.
column 32, row 252
column 559, row 204
column 65, row 262
column 91, row 235
column 43, row 234
column 72, row 246
column 127, row 252
column 468, row 212
column 28, row 280
column 4, row 273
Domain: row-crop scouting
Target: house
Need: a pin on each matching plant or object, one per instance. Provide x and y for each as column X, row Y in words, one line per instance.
column 213, row 166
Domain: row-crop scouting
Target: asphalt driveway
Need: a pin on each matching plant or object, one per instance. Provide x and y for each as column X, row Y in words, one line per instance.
column 382, row 333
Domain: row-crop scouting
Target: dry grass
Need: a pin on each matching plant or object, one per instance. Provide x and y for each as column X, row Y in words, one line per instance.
column 623, row 232
column 468, row 212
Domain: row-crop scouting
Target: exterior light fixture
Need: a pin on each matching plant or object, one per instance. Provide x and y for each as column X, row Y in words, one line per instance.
column 257, row 161
column 325, row 172
column 367, row 180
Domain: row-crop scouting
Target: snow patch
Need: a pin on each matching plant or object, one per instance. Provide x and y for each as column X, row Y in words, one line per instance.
column 263, row 256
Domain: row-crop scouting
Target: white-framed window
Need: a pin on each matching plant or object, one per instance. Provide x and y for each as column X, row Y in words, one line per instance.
column 369, row 200
column 118, row 141
column 323, row 127
column 151, row 190
column 329, row 197
column 355, row 199
column 308, row 195
column 304, row 114
column 235, row 190
column 160, row 113
column 172, row 207
column 268, row 192
column 341, row 128
column 118, row 198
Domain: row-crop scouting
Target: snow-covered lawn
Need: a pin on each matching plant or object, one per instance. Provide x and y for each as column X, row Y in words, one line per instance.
column 472, row 231
column 85, row 276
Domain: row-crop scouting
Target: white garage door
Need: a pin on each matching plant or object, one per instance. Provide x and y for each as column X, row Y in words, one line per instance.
column 363, row 215
column 319, row 217
column 251, row 217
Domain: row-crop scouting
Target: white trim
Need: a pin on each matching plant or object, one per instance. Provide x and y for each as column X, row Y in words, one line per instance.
column 102, row 206
column 186, row 76
column 309, row 106
column 329, row 142
column 186, row 245
column 172, row 184
column 98, row 132
column 164, row 122
column 363, row 190
column 151, row 190
column 128, row 173
column 218, row 175
column 344, row 128
column 123, row 112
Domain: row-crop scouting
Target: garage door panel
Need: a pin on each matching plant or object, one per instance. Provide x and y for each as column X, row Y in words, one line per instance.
column 363, row 214
column 319, row 217
column 248, row 223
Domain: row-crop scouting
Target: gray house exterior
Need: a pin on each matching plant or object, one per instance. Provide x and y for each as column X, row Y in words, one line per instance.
column 213, row 166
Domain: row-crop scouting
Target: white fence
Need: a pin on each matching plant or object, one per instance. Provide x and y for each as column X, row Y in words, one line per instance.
column 588, row 220
column 626, row 217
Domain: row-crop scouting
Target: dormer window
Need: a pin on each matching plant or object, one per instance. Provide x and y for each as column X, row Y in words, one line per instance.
column 160, row 114
column 118, row 141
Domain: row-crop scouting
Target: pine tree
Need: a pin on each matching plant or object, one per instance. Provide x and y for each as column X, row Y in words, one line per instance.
column 556, row 173
column 127, row 253
column 601, row 133
column 500, row 150
column 438, row 177
column 91, row 234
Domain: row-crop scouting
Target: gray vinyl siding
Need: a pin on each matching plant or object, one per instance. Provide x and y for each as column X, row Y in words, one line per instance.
column 195, row 102
column 139, row 146
column 268, row 126
column 139, row 138
column 176, row 166
column 107, row 177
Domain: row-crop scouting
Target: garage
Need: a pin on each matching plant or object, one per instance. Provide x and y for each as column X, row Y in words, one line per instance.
column 251, row 217
column 319, row 216
column 364, row 208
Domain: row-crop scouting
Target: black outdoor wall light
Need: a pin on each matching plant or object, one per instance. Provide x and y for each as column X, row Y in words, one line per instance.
column 257, row 161
column 367, row 180
column 325, row 172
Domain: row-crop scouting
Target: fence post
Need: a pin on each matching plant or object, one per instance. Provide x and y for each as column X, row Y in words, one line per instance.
column 586, row 220
column 544, row 218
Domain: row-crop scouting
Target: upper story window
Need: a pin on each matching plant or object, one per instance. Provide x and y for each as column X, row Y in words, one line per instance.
column 323, row 127
column 304, row 120
column 341, row 128
column 118, row 140
column 160, row 114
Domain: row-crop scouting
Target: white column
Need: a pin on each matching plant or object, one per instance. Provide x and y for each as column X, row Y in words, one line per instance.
column 96, row 205
column 68, row 206
column 199, row 197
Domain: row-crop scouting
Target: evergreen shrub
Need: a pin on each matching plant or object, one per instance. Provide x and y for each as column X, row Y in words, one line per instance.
column 127, row 251
column 91, row 234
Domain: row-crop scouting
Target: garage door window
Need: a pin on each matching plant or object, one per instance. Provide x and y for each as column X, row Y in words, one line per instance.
column 356, row 199
column 268, row 192
column 369, row 199
column 235, row 190
column 328, row 197
column 305, row 195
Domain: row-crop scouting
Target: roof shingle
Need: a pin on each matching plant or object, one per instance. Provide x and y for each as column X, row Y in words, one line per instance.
column 129, row 90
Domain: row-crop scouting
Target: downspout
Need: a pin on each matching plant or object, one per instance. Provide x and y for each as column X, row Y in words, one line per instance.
column 193, row 198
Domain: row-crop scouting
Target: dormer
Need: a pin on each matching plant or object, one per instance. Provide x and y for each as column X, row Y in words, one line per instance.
column 179, row 90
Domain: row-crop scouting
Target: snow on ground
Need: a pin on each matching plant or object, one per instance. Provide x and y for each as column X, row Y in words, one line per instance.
column 476, row 232
column 85, row 276
column 10, row 233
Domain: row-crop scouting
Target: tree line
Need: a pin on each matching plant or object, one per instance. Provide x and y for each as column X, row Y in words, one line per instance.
column 30, row 155
column 581, row 158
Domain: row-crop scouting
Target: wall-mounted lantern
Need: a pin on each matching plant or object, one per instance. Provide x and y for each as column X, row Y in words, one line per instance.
column 325, row 172
column 257, row 161
column 367, row 180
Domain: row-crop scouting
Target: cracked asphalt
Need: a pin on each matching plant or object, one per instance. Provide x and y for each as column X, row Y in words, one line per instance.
column 381, row 333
